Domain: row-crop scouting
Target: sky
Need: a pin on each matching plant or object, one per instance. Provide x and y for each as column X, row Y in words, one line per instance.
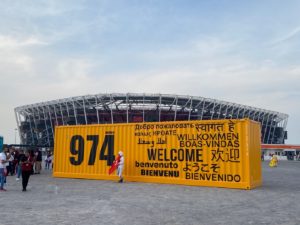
column 245, row 52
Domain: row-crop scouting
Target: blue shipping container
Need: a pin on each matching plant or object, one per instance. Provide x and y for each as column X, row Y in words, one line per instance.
column 1, row 142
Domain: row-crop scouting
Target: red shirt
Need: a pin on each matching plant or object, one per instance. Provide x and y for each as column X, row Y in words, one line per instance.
column 27, row 164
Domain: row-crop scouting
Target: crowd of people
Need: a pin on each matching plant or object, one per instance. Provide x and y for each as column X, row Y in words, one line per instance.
column 22, row 164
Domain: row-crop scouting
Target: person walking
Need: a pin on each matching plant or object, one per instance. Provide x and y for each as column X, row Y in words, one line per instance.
column 18, row 166
column 38, row 161
column 27, row 165
column 48, row 160
column 120, row 166
column 2, row 169
column 9, row 162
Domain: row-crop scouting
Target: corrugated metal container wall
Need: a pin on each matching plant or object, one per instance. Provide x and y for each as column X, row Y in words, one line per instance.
column 218, row 153
column 1, row 143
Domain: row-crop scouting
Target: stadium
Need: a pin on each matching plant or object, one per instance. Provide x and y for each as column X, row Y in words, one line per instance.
column 37, row 122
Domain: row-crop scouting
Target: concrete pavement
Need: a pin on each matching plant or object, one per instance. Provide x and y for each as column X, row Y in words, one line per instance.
column 74, row 201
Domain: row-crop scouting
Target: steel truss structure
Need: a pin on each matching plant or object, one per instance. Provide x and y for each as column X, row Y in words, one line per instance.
column 36, row 122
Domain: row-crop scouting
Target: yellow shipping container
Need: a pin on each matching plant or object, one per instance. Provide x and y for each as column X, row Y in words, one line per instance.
column 217, row 153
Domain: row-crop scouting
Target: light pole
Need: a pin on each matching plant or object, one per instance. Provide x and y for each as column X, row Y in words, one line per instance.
column 16, row 135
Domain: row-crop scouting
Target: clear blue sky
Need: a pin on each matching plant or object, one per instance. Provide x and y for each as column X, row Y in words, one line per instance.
column 246, row 52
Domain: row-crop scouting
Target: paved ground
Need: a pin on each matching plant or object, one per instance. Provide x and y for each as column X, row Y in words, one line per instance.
column 74, row 201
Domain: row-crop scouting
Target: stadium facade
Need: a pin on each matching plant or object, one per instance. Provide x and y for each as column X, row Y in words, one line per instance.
column 36, row 122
